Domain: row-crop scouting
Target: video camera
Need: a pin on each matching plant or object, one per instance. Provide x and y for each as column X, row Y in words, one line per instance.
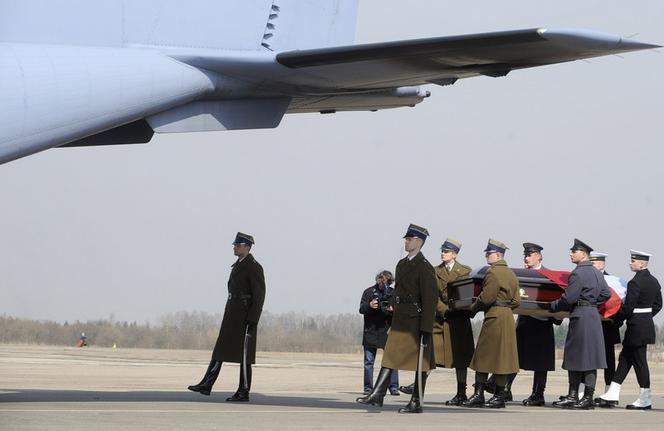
column 384, row 299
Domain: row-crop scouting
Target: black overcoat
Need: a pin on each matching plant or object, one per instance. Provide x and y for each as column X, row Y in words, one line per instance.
column 643, row 291
column 376, row 320
column 584, row 345
column 246, row 294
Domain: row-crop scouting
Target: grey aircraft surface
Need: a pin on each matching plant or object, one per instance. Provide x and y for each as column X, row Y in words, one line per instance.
column 81, row 73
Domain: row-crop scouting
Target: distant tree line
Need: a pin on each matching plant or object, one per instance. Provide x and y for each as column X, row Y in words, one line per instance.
column 285, row 332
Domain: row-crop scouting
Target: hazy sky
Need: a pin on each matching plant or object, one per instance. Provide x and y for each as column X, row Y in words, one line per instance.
column 543, row 155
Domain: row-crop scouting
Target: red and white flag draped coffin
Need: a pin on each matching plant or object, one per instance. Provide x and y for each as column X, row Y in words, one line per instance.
column 537, row 288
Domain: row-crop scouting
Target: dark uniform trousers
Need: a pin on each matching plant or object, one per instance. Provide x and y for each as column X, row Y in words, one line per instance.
column 643, row 292
column 633, row 356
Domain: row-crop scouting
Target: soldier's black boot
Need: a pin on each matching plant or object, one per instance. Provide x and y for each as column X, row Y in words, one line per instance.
column 460, row 396
column 205, row 386
column 490, row 385
column 570, row 399
column 242, row 393
column 415, row 404
column 536, row 398
column 587, row 402
column 375, row 398
column 407, row 389
column 508, row 388
column 477, row 399
column 497, row 401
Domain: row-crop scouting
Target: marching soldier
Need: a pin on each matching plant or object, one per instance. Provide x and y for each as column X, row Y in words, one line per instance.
column 453, row 342
column 642, row 302
column 237, row 336
column 584, row 345
column 408, row 344
column 534, row 337
column 496, row 350
column 610, row 325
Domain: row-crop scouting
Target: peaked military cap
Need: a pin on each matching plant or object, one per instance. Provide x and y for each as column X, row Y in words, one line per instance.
column 596, row 255
column 451, row 244
column 495, row 247
column 415, row 231
column 640, row 255
column 243, row 238
column 531, row 247
column 580, row 245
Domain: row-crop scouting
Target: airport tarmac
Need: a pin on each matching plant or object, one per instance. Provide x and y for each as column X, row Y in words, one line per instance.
column 63, row 388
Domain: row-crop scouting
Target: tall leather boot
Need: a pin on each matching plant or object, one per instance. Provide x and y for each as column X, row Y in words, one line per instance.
column 205, row 385
column 460, row 396
column 375, row 398
column 587, row 402
column 570, row 399
column 477, row 399
column 490, row 385
column 497, row 401
column 508, row 387
column 537, row 397
column 415, row 404
column 242, row 393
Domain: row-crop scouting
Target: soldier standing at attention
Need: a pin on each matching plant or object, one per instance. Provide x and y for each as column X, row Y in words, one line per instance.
column 496, row 350
column 453, row 342
column 610, row 325
column 237, row 336
column 584, row 346
column 408, row 345
column 642, row 302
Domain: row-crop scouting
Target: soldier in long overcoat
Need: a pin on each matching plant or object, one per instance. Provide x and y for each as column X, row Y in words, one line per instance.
column 534, row 338
column 584, row 346
column 496, row 350
column 237, row 335
column 642, row 302
column 415, row 298
column 453, row 341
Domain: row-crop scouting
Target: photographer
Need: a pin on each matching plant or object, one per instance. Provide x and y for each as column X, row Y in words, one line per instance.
column 376, row 307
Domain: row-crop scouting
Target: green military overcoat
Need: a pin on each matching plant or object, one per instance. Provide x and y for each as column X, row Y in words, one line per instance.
column 452, row 331
column 496, row 350
column 246, row 294
column 415, row 281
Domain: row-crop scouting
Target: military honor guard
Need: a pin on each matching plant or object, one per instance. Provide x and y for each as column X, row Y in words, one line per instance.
column 534, row 337
column 584, row 346
column 610, row 325
column 642, row 301
column 496, row 350
column 237, row 336
column 408, row 345
column 453, row 342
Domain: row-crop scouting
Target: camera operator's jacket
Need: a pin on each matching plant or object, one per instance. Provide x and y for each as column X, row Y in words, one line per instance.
column 376, row 320
column 246, row 294
column 415, row 298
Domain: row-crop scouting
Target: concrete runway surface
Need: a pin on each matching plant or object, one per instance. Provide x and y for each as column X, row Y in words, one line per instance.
column 62, row 388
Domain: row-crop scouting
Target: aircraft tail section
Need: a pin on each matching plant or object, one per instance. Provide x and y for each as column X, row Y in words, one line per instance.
column 302, row 24
column 203, row 24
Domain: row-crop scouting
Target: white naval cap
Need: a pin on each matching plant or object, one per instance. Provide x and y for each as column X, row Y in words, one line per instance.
column 639, row 255
column 597, row 255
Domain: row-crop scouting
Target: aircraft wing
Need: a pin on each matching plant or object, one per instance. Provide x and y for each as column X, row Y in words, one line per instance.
column 443, row 60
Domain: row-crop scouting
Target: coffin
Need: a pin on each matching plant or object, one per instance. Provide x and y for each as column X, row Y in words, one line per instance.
column 537, row 288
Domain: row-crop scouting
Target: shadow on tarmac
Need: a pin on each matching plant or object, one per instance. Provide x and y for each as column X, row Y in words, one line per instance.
column 257, row 399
